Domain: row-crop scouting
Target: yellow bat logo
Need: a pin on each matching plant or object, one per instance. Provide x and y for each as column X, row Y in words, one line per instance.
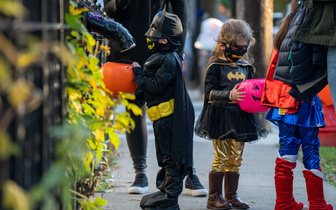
column 150, row 44
column 235, row 75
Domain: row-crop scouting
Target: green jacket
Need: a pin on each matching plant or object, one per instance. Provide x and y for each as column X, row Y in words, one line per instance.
column 320, row 25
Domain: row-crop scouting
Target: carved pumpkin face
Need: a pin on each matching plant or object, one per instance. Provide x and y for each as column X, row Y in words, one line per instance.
column 118, row 77
column 253, row 89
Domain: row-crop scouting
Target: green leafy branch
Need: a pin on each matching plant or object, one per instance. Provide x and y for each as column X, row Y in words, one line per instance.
column 91, row 114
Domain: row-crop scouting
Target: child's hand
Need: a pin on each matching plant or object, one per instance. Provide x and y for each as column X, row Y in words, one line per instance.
column 136, row 64
column 136, row 68
column 236, row 95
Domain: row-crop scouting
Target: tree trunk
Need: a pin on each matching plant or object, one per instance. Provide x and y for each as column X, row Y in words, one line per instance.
column 209, row 10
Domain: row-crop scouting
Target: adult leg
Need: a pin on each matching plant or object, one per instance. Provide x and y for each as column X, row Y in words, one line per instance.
column 283, row 177
column 137, row 145
column 231, row 177
column 194, row 187
column 331, row 65
column 219, row 166
column 313, row 174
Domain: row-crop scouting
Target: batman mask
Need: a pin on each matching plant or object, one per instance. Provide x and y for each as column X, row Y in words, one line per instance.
column 234, row 52
column 153, row 44
column 165, row 25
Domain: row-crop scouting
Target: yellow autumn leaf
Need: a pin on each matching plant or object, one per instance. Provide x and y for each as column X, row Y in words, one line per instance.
column 14, row 9
column 124, row 102
column 26, row 59
column 128, row 96
column 102, row 99
column 19, row 92
column 88, row 162
column 132, row 123
column 100, row 202
column 93, row 83
column 115, row 141
column 81, row 63
column 118, row 128
column 92, row 145
column 100, row 111
column 4, row 72
column 135, row 109
column 91, row 40
column 5, row 145
column 93, row 62
column 122, row 120
column 14, row 197
column 73, row 94
column 81, row 74
column 74, row 11
column 99, row 134
column 106, row 49
column 77, row 106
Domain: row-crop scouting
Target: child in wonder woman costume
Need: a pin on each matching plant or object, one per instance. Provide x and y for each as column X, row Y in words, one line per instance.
column 299, row 125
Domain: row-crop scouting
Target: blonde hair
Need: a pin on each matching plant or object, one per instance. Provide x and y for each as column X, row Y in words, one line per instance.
column 231, row 31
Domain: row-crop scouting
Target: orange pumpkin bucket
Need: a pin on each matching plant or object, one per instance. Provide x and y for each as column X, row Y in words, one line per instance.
column 118, row 77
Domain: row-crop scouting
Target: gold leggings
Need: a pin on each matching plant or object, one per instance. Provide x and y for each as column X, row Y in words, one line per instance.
column 228, row 155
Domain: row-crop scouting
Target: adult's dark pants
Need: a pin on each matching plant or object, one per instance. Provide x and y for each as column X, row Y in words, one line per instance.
column 137, row 140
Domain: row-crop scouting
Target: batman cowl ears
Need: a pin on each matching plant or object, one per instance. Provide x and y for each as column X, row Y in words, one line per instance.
column 165, row 25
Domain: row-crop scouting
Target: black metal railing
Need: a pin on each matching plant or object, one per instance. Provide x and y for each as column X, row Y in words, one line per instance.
column 30, row 131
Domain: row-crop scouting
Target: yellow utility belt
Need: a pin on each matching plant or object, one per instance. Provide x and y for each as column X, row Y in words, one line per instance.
column 164, row 109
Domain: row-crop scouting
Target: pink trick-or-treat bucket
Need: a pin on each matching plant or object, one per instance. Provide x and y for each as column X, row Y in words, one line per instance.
column 253, row 89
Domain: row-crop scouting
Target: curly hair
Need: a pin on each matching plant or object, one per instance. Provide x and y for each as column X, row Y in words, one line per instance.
column 231, row 31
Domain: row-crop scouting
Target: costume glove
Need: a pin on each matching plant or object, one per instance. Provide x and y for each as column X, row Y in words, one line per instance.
column 219, row 95
column 137, row 70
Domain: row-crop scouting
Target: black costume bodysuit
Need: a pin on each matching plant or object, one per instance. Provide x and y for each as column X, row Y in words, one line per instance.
column 221, row 119
column 160, row 81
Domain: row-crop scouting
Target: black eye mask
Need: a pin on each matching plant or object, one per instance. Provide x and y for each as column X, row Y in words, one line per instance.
column 235, row 54
column 239, row 47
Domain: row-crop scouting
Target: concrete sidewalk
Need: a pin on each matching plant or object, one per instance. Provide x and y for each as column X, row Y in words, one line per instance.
column 256, row 185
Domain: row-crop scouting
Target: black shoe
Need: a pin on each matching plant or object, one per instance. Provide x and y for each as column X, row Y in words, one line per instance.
column 140, row 184
column 194, row 187
column 159, row 201
column 175, row 207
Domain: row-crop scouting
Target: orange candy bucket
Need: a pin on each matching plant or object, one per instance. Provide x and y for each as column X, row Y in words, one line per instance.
column 118, row 77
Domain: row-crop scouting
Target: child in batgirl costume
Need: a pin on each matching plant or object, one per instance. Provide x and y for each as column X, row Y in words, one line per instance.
column 169, row 108
column 221, row 119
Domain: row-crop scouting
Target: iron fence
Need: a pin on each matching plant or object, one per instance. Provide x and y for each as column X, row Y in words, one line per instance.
column 31, row 131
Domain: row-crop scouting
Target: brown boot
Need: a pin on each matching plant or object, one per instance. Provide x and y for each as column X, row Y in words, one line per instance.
column 215, row 199
column 231, row 186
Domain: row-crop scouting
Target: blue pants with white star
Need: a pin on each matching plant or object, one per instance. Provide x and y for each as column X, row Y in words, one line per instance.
column 292, row 137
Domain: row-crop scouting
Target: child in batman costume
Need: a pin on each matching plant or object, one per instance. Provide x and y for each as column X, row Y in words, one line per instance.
column 221, row 119
column 123, row 11
column 169, row 108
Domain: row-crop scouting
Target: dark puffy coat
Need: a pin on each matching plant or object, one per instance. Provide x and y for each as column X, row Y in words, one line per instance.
column 159, row 78
column 300, row 63
column 136, row 16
